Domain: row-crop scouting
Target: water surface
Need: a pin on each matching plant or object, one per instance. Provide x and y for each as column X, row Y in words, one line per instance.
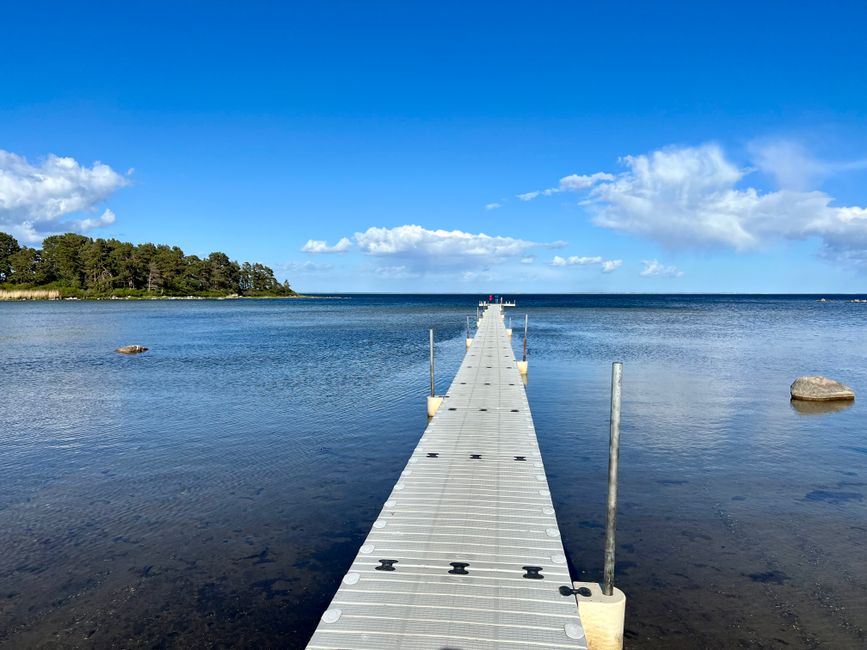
column 212, row 492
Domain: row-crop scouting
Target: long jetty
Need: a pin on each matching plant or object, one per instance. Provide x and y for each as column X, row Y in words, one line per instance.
column 466, row 552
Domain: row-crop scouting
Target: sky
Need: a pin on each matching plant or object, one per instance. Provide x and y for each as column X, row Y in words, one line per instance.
column 450, row 147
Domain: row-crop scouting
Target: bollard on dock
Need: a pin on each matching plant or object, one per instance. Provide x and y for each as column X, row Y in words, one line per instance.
column 522, row 365
column 433, row 402
column 602, row 606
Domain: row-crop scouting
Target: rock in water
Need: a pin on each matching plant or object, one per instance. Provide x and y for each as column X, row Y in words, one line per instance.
column 820, row 389
column 132, row 349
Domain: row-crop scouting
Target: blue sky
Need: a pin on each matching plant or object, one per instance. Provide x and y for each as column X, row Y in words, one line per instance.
column 683, row 146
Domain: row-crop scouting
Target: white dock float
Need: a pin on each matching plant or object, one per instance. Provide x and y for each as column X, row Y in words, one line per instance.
column 466, row 552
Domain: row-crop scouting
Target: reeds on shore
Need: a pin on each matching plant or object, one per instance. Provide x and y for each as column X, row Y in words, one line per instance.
column 29, row 294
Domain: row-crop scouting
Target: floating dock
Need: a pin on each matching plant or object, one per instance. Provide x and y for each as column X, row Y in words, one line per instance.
column 466, row 553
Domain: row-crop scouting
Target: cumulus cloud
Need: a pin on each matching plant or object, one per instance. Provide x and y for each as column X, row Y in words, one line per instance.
column 689, row 196
column 493, row 206
column 528, row 260
column 412, row 250
column 38, row 199
column 105, row 219
column 654, row 268
column 415, row 241
column 694, row 197
column 317, row 246
column 571, row 183
column 607, row 266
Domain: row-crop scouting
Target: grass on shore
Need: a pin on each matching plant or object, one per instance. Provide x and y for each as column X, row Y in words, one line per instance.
column 29, row 294
column 60, row 293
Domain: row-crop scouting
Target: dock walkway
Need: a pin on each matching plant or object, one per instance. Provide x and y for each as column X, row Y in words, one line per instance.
column 466, row 553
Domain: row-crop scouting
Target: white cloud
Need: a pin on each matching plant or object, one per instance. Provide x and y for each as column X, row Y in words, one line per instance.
column 654, row 268
column 105, row 219
column 575, row 183
column 35, row 198
column 400, row 272
column 415, row 241
column 317, row 246
column 493, row 206
column 571, row 183
column 788, row 163
column 305, row 267
column 574, row 260
column 528, row 260
column 686, row 197
column 607, row 266
column 793, row 167
column 414, row 251
column 477, row 276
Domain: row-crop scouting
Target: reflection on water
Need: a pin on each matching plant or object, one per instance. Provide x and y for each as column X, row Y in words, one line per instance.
column 213, row 491
column 820, row 408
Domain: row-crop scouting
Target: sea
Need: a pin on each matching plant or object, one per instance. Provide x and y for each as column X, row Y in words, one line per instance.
column 211, row 492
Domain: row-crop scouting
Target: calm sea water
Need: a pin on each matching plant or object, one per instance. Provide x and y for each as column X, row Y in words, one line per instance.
column 212, row 492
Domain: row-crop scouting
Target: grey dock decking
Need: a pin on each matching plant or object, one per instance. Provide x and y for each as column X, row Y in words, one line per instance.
column 474, row 491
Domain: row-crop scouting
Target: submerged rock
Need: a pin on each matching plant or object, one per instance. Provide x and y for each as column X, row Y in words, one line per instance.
column 820, row 389
column 132, row 349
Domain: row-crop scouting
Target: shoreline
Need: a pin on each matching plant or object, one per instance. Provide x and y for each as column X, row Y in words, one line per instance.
column 148, row 298
column 53, row 295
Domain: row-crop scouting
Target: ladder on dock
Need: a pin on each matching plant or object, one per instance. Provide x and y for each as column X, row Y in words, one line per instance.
column 466, row 553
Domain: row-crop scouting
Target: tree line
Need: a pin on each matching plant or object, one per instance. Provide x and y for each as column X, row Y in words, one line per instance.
column 79, row 265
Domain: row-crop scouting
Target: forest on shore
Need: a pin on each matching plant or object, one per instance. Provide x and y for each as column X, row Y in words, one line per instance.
column 78, row 266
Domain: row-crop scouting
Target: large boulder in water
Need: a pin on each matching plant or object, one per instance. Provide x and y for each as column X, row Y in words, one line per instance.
column 132, row 349
column 820, row 389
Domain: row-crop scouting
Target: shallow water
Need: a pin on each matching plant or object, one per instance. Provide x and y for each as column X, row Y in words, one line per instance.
column 212, row 491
